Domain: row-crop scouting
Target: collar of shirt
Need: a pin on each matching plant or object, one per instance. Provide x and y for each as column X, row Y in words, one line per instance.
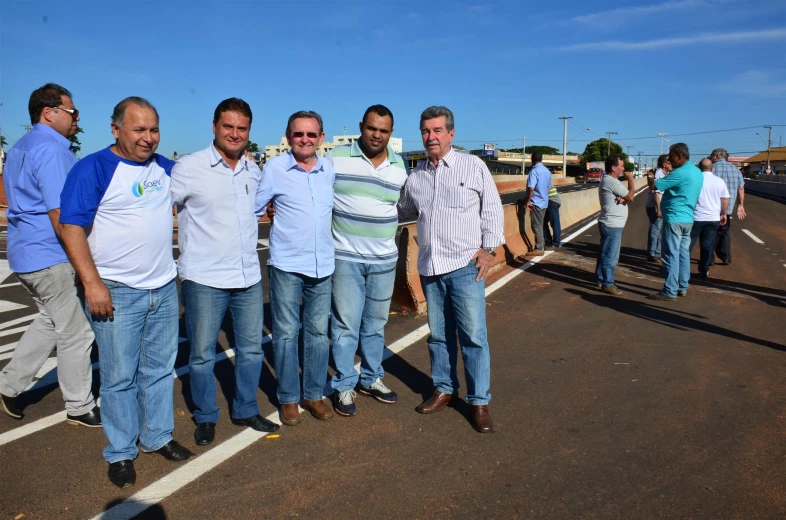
column 448, row 160
column 355, row 151
column 292, row 164
column 48, row 130
column 216, row 159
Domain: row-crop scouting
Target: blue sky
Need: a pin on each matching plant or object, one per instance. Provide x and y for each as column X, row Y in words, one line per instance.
column 506, row 68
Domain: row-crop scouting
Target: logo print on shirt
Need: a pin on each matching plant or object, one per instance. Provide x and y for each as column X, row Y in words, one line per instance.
column 137, row 189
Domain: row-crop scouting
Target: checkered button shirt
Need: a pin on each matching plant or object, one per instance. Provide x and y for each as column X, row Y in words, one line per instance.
column 732, row 176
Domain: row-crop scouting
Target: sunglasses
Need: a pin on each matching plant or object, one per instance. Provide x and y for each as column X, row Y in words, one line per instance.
column 298, row 135
column 74, row 113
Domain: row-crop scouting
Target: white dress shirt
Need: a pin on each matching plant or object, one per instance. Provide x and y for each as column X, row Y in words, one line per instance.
column 217, row 228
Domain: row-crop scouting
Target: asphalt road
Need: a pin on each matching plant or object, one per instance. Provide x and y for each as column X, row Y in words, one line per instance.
column 604, row 408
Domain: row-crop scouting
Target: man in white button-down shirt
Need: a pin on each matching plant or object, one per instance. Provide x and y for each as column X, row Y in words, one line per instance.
column 214, row 191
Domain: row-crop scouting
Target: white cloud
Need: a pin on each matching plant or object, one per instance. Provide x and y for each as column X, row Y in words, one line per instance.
column 724, row 37
column 643, row 10
column 756, row 83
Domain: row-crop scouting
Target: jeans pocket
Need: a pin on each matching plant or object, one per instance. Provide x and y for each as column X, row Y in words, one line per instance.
column 110, row 284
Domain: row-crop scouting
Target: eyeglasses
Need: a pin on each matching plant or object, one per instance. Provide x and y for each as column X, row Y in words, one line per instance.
column 74, row 113
column 298, row 135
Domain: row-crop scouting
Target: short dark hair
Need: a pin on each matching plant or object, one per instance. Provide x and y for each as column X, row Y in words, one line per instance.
column 380, row 110
column 119, row 111
column 662, row 160
column 50, row 95
column 305, row 114
column 612, row 161
column 680, row 149
column 438, row 111
column 537, row 157
column 233, row 104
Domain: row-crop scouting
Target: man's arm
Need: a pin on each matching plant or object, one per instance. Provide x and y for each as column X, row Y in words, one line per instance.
column 54, row 217
column 178, row 184
column 530, row 192
column 656, row 198
column 724, row 208
column 407, row 210
column 740, row 200
column 491, row 223
column 631, row 188
column 99, row 301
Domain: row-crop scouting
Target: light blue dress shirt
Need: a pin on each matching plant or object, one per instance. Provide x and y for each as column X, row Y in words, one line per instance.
column 217, row 228
column 540, row 179
column 301, row 239
column 35, row 172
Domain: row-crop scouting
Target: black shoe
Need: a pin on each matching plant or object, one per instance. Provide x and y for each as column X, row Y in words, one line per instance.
column 91, row 419
column 726, row 262
column 8, row 407
column 122, row 473
column 658, row 296
column 344, row 403
column 651, row 259
column 378, row 391
column 173, row 451
column 258, row 423
column 205, row 433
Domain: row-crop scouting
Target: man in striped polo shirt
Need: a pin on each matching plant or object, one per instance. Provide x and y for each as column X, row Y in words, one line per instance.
column 369, row 178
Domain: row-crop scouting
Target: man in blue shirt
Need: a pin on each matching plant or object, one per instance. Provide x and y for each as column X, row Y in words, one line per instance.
column 219, row 266
column 732, row 176
column 34, row 175
column 681, row 190
column 537, row 202
column 301, row 261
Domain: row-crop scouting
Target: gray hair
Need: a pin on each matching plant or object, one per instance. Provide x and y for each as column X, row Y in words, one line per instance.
column 120, row 109
column 705, row 165
column 720, row 153
column 438, row 111
column 305, row 114
column 680, row 149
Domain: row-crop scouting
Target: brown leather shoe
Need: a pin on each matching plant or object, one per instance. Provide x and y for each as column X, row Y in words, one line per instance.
column 289, row 414
column 436, row 402
column 481, row 419
column 319, row 410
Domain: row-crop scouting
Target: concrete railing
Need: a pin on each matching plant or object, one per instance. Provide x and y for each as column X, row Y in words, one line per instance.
column 576, row 206
column 770, row 178
column 766, row 188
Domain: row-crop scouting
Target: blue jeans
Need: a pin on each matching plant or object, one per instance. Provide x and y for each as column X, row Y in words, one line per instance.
column 457, row 304
column 610, row 242
column 361, row 303
column 205, row 309
column 706, row 233
column 654, row 236
column 676, row 257
column 137, row 351
column 286, row 290
column 552, row 217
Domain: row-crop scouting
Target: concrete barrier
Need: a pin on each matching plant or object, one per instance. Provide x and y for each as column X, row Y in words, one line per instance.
column 576, row 206
column 766, row 188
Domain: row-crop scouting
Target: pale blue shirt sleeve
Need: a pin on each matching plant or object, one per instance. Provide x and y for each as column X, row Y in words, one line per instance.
column 52, row 167
column 264, row 191
column 179, row 186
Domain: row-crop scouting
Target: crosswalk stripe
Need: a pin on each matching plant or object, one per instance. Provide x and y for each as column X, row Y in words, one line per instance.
column 18, row 320
column 11, row 332
column 6, row 306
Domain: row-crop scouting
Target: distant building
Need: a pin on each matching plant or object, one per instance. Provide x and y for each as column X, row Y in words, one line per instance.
column 758, row 162
column 274, row 150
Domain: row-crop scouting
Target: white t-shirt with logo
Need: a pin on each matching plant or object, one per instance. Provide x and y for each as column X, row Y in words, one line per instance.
column 128, row 207
column 708, row 207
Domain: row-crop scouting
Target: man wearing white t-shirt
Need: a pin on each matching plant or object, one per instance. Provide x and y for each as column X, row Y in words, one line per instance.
column 116, row 218
column 710, row 213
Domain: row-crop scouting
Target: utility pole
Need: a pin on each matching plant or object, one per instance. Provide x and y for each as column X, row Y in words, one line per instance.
column 609, row 134
column 639, row 163
column 523, row 155
column 26, row 127
column 627, row 149
column 565, row 144
column 662, row 135
column 769, row 145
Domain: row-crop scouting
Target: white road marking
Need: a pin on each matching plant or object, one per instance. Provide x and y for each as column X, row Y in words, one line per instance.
column 5, row 270
column 48, row 374
column 753, row 237
column 6, row 306
column 6, row 348
column 190, row 471
column 10, row 332
column 264, row 242
column 3, row 286
column 18, row 320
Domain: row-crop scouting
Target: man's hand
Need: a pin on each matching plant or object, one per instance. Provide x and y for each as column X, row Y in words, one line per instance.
column 530, row 206
column 723, row 219
column 741, row 212
column 271, row 212
column 660, row 215
column 99, row 301
column 483, row 263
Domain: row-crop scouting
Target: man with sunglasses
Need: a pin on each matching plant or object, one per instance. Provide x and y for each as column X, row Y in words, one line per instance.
column 35, row 172
column 301, row 260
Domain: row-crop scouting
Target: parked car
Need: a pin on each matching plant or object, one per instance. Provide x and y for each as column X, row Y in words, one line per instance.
column 594, row 174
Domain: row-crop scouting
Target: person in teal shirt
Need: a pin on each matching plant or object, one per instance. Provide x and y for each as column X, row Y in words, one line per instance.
column 681, row 190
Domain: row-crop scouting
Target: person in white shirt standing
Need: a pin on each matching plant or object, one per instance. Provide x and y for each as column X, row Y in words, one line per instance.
column 214, row 191
column 709, row 215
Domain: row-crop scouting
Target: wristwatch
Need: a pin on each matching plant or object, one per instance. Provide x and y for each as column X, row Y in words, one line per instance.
column 490, row 250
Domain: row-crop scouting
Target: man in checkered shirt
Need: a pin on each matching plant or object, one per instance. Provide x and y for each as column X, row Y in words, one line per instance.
column 734, row 182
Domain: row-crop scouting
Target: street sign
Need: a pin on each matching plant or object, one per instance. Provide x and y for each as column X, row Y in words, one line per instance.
column 488, row 150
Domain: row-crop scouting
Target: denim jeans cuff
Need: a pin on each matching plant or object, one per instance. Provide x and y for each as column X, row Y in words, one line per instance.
column 478, row 402
column 149, row 450
column 120, row 457
column 309, row 397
